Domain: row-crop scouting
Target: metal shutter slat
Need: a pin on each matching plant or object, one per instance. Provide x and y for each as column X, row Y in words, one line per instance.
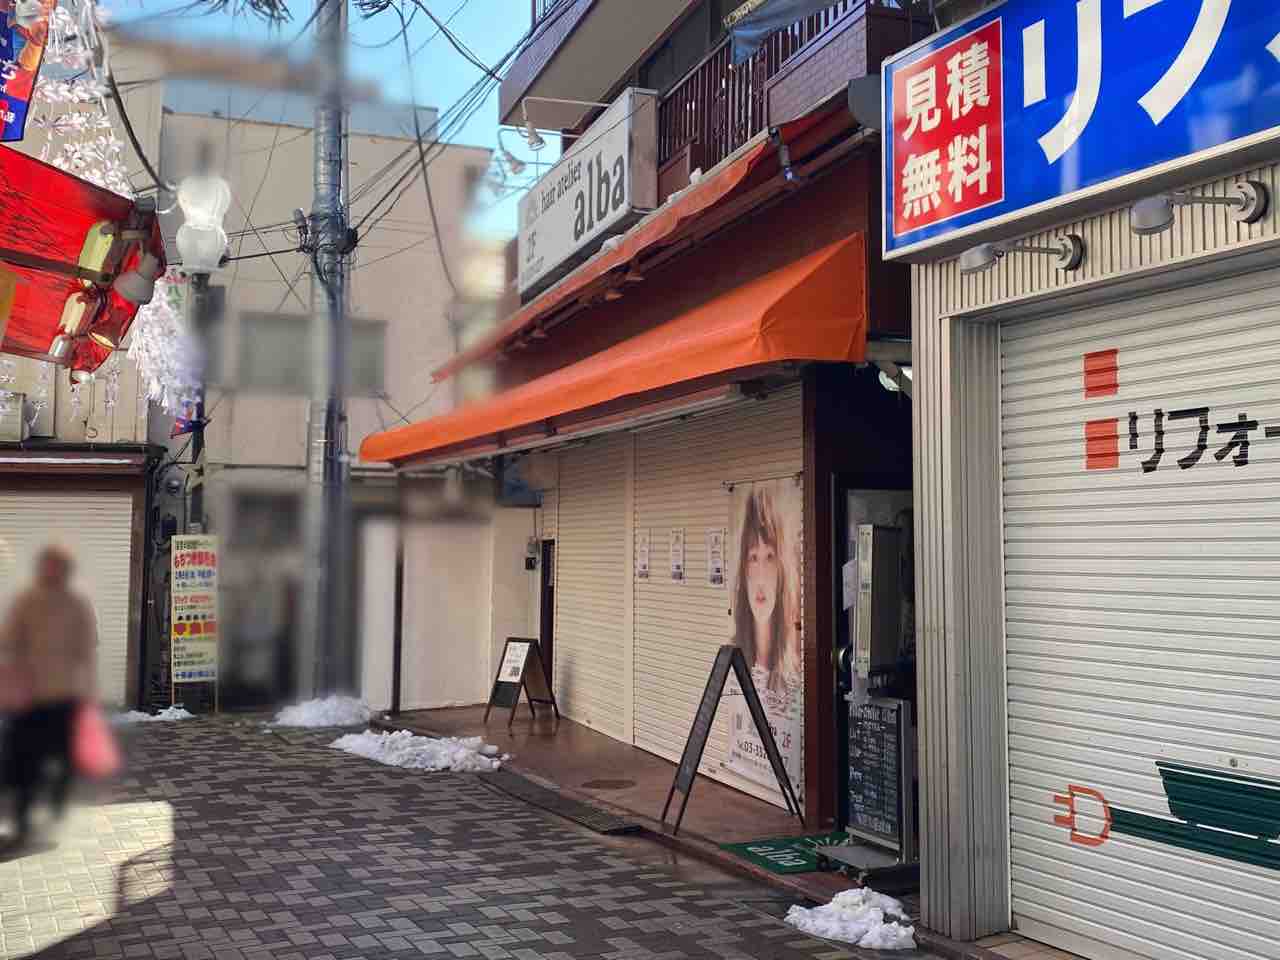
column 1141, row 611
column 98, row 527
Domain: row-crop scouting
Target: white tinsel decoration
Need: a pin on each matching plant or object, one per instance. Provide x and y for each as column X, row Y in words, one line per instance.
column 163, row 350
column 7, row 377
column 79, row 135
column 111, row 388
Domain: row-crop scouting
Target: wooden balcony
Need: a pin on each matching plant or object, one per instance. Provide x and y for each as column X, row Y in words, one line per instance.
column 717, row 107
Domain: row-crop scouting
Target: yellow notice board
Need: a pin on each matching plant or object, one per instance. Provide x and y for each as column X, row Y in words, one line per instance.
column 193, row 630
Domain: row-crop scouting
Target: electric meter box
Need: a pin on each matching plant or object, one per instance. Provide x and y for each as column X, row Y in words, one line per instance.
column 876, row 618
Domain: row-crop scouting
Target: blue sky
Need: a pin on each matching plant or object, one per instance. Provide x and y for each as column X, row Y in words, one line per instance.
column 440, row 74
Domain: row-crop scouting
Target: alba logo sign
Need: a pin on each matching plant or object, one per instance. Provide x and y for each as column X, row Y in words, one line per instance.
column 1229, row 433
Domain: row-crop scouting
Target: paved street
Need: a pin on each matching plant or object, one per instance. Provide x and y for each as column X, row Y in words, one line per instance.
column 229, row 841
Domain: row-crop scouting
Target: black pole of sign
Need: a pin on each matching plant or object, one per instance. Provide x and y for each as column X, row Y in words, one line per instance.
column 728, row 657
column 528, row 673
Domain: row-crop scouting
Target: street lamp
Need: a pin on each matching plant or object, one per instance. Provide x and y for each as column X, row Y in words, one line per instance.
column 1068, row 254
column 202, row 244
column 1248, row 200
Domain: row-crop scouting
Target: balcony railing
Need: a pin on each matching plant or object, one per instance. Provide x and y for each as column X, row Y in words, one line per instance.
column 721, row 106
column 545, row 8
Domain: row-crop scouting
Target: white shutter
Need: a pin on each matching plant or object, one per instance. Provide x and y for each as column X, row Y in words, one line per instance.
column 1143, row 625
column 680, row 476
column 98, row 529
column 549, row 514
column 591, row 679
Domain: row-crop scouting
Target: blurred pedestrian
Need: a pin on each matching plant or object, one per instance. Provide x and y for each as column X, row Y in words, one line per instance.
column 48, row 645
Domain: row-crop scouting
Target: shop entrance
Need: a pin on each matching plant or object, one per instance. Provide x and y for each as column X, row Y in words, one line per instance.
column 875, row 652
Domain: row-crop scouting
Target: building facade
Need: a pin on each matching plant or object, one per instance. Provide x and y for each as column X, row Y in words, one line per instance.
column 696, row 396
column 98, row 467
column 1092, row 342
column 76, row 466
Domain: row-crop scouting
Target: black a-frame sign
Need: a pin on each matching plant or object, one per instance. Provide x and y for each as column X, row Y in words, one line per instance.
column 728, row 658
column 522, row 668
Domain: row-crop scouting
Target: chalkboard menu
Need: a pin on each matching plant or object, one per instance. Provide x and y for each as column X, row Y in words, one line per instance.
column 728, row 657
column 522, row 669
column 880, row 773
column 702, row 720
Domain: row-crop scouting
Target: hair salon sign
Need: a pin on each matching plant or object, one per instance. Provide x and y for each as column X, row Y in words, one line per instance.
column 606, row 179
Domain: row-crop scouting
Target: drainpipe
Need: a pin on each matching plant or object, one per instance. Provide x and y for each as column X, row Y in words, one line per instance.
column 397, row 633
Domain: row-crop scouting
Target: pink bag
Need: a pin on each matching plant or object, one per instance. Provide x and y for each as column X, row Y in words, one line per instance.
column 94, row 753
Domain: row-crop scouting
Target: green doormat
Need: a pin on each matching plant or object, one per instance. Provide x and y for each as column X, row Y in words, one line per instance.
column 786, row 854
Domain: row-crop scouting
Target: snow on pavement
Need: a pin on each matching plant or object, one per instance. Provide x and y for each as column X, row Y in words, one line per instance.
column 167, row 714
column 858, row 917
column 403, row 749
column 334, row 711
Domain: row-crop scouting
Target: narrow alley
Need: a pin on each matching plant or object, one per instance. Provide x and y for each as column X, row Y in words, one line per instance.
column 230, row 840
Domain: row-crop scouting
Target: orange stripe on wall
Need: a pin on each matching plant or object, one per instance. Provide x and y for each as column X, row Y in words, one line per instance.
column 1102, row 444
column 1101, row 373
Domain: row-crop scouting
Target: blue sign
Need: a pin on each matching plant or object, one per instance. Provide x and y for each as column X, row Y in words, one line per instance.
column 1033, row 102
column 24, row 30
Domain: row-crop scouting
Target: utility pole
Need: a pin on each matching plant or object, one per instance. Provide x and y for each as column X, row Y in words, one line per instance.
column 322, row 661
column 200, row 321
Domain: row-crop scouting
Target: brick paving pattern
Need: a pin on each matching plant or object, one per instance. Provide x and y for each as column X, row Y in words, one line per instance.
column 227, row 841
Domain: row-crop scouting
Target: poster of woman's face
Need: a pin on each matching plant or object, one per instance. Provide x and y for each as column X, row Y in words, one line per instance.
column 765, row 580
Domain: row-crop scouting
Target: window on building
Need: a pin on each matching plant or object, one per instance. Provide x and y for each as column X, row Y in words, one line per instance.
column 685, row 48
column 212, row 336
column 368, row 358
column 266, row 520
column 275, row 354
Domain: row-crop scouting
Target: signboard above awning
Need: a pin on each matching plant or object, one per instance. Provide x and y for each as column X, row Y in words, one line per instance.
column 1036, row 111
column 604, row 182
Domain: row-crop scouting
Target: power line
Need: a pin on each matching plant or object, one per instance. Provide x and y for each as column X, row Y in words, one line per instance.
column 394, row 253
column 422, row 46
column 133, row 137
column 274, row 262
column 469, row 97
column 457, row 44
column 535, row 30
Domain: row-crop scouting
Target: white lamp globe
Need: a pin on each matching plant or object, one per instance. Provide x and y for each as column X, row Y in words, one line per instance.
column 204, row 200
column 201, row 248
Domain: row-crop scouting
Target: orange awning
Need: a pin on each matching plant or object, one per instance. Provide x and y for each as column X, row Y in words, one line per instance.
column 666, row 225
column 812, row 309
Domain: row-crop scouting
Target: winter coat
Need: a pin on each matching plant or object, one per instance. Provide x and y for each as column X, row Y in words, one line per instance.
column 50, row 641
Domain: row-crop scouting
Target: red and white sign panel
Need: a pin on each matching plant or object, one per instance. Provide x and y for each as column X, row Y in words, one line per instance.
column 948, row 141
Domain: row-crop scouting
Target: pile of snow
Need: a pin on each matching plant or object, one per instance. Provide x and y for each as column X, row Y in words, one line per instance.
column 167, row 714
column 403, row 749
column 858, row 917
column 335, row 711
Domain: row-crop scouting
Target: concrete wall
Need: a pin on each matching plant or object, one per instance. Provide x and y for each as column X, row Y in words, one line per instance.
column 515, row 609
column 446, row 615
column 376, row 620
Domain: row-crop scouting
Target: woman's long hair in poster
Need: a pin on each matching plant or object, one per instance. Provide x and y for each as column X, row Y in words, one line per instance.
column 763, row 527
